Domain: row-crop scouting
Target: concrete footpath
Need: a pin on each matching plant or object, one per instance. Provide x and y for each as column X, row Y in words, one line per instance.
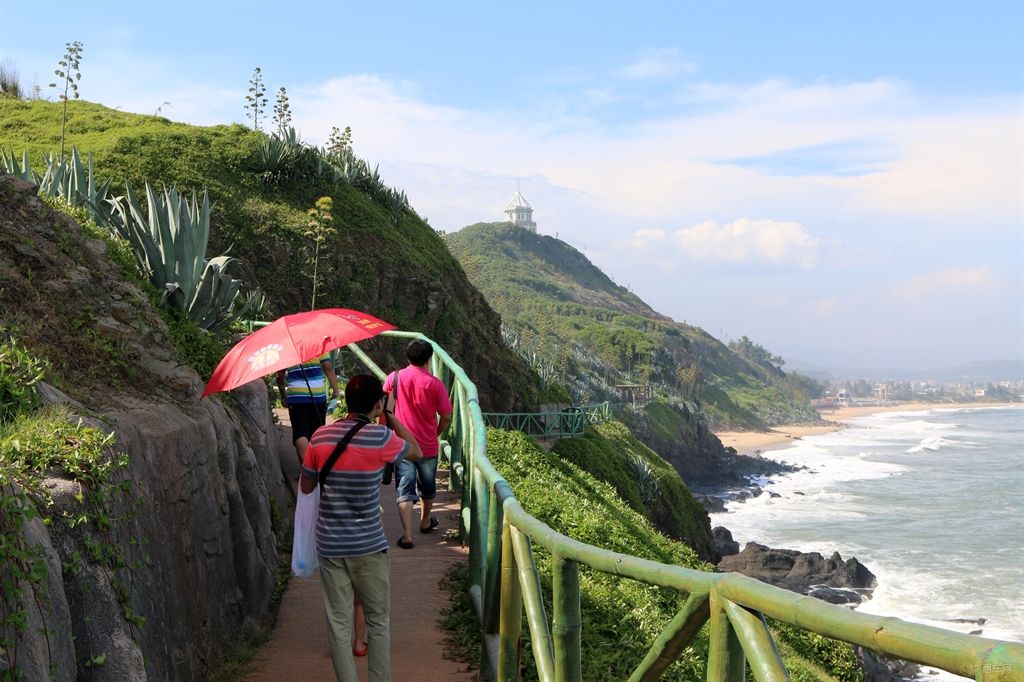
column 298, row 649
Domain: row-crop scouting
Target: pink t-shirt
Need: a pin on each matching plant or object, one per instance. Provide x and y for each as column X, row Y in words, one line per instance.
column 421, row 397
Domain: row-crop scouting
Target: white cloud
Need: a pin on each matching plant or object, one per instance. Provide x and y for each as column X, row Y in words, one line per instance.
column 647, row 239
column 946, row 282
column 655, row 64
column 750, row 241
column 823, row 307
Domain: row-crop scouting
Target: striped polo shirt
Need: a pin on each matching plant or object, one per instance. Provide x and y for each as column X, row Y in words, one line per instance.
column 306, row 381
column 350, row 522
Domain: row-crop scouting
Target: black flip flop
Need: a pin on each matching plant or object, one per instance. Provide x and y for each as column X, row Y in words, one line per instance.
column 431, row 527
column 403, row 544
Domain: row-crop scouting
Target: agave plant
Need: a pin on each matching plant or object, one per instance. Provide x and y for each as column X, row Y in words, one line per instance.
column 275, row 160
column 169, row 241
column 68, row 179
column 77, row 185
column 9, row 163
column 645, row 478
column 217, row 301
column 283, row 156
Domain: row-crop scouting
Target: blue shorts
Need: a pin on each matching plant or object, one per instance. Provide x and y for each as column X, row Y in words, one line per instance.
column 408, row 474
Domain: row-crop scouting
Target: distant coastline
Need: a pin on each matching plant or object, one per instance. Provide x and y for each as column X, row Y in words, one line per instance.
column 757, row 442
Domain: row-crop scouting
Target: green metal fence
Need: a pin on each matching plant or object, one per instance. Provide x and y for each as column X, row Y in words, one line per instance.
column 595, row 414
column 562, row 424
column 505, row 583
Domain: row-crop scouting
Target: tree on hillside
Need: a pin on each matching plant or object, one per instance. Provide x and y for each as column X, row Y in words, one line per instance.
column 256, row 101
column 282, row 111
column 69, row 74
column 10, row 84
column 757, row 354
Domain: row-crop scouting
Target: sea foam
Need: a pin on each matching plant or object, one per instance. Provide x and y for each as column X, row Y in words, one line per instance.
column 929, row 501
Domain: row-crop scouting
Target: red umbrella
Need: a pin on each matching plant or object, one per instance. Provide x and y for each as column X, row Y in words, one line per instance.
column 289, row 340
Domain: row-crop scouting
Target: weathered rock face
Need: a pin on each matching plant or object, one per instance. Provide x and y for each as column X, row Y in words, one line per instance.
column 687, row 443
column 205, row 482
column 205, row 477
column 832, row 579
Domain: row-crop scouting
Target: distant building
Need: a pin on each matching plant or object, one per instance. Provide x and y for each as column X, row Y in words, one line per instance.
column 881, row 392
column 520, row 212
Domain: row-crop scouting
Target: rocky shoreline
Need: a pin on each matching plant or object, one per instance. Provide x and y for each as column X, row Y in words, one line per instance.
column 845, row 582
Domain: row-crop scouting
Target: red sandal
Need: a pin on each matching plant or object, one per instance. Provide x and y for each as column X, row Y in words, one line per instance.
column 360, row 650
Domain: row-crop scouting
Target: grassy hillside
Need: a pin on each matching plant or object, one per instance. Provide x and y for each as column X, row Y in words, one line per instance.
column 643, row 480
column 387, row 262
column 590, row 334
column 620, row 617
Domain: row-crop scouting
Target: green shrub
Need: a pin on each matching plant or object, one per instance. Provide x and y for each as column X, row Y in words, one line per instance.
column 201, row 350
column 19, row 374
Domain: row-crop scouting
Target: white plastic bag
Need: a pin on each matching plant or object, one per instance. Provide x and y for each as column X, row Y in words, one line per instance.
column 307, row 510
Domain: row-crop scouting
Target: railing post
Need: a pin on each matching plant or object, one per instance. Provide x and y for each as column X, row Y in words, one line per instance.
column 533, row 601
column 725, row 656
column 492, row 575
column 510, row 627
column 566, row 623
column 467, row 466
column 758, row 644
column 458, row 435
column 480, row 511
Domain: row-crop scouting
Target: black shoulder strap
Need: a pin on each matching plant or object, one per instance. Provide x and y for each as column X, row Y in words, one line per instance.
column 340, row 448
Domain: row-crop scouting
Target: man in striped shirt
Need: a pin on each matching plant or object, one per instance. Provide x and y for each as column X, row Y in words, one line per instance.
column 303, row 391
column 350, row 533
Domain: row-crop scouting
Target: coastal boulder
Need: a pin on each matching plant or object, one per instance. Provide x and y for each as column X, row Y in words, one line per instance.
column 724, row 544
column 833, row 579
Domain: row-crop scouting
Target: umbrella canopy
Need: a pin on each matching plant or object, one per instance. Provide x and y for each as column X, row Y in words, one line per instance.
column 289, row 340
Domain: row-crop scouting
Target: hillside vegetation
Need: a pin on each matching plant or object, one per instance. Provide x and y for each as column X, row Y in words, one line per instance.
column 621, row 617
column 643, row 481
column 581, row 330
column 378, row 258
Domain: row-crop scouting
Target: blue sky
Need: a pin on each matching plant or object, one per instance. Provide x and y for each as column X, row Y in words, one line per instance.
column 842, row 182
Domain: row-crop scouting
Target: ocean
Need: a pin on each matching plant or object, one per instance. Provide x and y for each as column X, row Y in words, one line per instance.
column 931, row 502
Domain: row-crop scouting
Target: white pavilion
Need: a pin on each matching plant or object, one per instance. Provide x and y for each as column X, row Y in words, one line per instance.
column 520, row 212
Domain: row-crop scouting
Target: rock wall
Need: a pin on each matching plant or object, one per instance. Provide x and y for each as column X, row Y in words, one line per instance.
column 205, row 476
column 204, row 483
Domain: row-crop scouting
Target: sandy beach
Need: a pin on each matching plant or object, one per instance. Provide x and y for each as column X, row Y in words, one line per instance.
column 754, row 442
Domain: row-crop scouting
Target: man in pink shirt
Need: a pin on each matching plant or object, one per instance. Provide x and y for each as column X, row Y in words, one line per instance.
column 420, row 401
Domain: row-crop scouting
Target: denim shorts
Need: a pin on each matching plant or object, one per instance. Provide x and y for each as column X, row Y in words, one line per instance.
column 407, row 474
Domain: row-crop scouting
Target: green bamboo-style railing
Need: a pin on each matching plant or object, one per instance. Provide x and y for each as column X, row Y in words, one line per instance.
column 505, row 583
